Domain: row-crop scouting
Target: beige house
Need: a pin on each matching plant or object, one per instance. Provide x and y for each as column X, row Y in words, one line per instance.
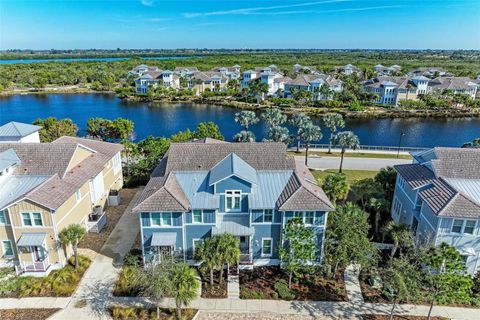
column 45, row 187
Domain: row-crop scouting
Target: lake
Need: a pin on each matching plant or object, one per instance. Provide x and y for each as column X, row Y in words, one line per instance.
column 15, row 61
column 167, row 119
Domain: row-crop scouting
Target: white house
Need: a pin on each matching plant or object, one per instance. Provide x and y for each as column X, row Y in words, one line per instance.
column 14, row 132
column 313, row 83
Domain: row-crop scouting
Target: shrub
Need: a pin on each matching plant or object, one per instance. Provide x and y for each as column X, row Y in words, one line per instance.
column 274, row 295
column 127, row 284
column 281, row 287
column 257, row 295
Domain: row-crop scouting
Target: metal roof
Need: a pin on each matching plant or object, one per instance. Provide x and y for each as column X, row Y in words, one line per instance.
column 195, row 187
column 232, row 165
column 15, row 187
column 270, row 185
column 31, row 239
column 469, row 187
column 8, row 158
column 163, row 239
column 17, row 129
column 236, row 225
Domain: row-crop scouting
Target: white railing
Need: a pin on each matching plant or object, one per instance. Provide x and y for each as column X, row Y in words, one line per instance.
column 38, row 266
column 98, row 224
column 364, row 147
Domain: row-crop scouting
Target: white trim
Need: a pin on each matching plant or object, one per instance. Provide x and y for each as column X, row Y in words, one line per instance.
column 462, row 228
column 161, row 213
column 193, row 216
column 271, row 248
column 193, row 244
column 3, row 249
column 234, row 194
column 32, row 220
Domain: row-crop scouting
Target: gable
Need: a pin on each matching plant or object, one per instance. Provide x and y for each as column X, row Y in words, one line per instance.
column 233, row 183
column 78, row 156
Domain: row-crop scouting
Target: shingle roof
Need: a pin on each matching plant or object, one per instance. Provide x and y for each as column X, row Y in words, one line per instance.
column 399, row 82
column 189, row 158
column 53, row 160
column 451, row 83
column 457, row 163
column 17, row 129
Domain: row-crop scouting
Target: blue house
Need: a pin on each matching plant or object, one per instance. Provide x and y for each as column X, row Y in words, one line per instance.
column 209, row 187
column 438, row 195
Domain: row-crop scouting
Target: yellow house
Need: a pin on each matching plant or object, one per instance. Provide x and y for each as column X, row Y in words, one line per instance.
column 45, row 187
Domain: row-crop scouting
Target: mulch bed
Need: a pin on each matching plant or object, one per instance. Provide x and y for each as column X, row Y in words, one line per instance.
column 217, row 290
column 311, row 288
column 95, row 241
column 383, row 317
column 31, row 314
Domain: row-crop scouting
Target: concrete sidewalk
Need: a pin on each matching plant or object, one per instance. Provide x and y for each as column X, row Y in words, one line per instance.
column 374, row 164
column 95, row 289
column 352, row 284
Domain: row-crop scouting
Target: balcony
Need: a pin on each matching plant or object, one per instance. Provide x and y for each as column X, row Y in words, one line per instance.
column 32, row 267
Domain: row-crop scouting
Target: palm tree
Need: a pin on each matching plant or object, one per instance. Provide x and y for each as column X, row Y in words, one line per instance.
column 345, row 139
column 273, row 117
column 229, row 250
column 207, row 253
column 244, row 136
column 400, row 234
column 184, row 286
column 378, row 205
column 279, row 134
column 333, row 122
column 299, row 120
column 246, row 118
column 73, row 234
column 309, row 133
column 325, row 91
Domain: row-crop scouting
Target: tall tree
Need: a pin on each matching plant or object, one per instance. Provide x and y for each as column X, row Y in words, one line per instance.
column 184, row 286
column 309, row 133
column 53, row 129
column 325, row 91
column 246, row 118
column 72, row 235
column 208, row 130
column 333, row 122
column 279, row 134
column 379, row 206
column 347, row 238
column 121, row 129
column 207, row 253
column 298, row 248
column 401, row 235
column 273, row 117
column 336, row 187
column 244, row 136
column 228, row 246
column 346, row 140
column 363, row 190
column 298, row 121
column 387, row 178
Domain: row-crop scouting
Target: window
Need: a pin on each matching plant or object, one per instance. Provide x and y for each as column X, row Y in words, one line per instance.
column 32, row 219
column 166, row 219
column 297, row 214
column 7, row 248
column 309, row 217
column 469, row 226
column 155, row 217
column 266, row 247
column 196, row 242
column 232, row 200
column 117, row 163
column 78, row 195
column 268, row 215
column 197, row 216
column 457, row 226
column 3, row 217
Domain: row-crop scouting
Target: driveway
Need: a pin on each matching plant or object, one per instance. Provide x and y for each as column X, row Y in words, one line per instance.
column 350, row 163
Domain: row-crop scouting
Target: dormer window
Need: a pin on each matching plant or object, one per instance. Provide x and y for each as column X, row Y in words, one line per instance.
column 232, row 200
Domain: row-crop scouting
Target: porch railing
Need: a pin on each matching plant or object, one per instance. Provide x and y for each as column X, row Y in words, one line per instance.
column 37, row 266
column 96, row 225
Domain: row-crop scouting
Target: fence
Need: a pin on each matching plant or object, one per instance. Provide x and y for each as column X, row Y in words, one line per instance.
column 366, row 147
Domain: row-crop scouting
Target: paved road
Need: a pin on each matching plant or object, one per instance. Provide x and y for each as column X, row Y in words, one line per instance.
column 322, row 163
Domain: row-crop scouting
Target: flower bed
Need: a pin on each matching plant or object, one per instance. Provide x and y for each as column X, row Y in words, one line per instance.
column 59, row 283
column 271, row 283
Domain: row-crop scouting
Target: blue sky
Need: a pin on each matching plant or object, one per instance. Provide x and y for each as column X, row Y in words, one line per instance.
column 388, row 24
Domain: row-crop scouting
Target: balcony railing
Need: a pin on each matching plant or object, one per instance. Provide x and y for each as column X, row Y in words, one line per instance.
column 96, row 223
column 38, row 266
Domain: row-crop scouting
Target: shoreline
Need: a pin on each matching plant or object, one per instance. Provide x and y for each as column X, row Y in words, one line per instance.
column 368, row 113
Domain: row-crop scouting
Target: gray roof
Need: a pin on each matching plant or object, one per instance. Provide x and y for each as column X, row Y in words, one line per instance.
column 31, row 239
column 268, row 189
column 8, row 158
column 232, row 165
column 163, row 239
column 457, row 163
column 15, row 187
column 236, row 225
column 416, row 175
column 53, row 159
column 17, row 129
column 190, row 162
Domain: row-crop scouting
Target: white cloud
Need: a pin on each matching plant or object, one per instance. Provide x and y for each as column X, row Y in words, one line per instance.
column 246, row 11
column 148, row 3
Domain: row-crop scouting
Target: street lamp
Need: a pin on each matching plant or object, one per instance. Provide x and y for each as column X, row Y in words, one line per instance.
column 402, row 133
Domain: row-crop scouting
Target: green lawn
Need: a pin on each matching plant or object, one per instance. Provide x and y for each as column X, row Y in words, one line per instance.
column 352, row 175
column 353, row 155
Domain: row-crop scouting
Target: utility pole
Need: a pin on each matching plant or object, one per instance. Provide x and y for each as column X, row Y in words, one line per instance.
column 402, row 133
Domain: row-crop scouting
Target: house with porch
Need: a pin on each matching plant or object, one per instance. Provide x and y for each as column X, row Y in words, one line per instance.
column 313, row 83
column 390, row 90
column 209, row 187
column 44, row 188
column 438, row 196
